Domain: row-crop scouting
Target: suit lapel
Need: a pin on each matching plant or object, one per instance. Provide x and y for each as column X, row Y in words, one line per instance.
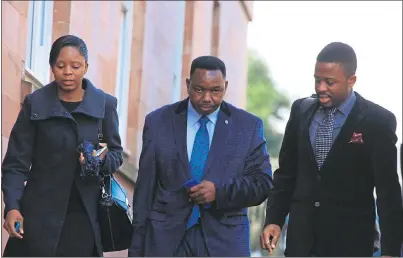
column 180, row 128
column 306, row 119
column 221, row 132
column 350, row 125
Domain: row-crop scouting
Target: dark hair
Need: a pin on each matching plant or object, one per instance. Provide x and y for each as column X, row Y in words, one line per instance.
column 337, row 52
column 64, row 41
column 210, row 63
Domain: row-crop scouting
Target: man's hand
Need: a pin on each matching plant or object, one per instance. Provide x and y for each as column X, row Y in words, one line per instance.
column 269, row 237
column 9, row 223
column 203, row 193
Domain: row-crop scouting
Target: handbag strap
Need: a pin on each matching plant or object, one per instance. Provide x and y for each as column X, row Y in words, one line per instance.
column 104, row 192
column 100, row 134
column 101, row 122
column 100, row 138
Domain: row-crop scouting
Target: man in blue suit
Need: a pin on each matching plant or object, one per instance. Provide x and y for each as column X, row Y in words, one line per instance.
column 218, row 146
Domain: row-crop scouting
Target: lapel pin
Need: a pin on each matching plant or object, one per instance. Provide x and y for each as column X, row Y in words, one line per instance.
column 226, row 121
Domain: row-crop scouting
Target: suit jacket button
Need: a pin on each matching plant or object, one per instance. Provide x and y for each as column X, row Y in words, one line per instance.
column 34, row 115
column 318, row 177
column 317, row 204
column 66, row 113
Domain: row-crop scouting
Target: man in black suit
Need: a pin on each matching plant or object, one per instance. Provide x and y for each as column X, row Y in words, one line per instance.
column 337, row 147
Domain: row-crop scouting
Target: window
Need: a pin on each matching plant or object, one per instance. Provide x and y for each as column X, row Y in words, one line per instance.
column 39, row 40
column 123, row 68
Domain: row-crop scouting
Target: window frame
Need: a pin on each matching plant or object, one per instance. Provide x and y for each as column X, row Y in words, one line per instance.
column 122, row 88
column 39, row 41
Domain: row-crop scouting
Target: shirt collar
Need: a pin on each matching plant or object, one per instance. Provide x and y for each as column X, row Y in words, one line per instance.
column 347, row 104
column 193, row 116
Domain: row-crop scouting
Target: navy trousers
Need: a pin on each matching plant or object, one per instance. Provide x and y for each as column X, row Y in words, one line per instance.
column 192, row 244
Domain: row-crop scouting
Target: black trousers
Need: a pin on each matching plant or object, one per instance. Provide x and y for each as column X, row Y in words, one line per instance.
column 193, row 243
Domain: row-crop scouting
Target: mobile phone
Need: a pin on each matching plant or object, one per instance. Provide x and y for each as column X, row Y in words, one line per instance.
column 17, row 226
column 100, row 151
column 190, row 183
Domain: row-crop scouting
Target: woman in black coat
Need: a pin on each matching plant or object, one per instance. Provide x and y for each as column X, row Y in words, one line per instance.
column 57, row 208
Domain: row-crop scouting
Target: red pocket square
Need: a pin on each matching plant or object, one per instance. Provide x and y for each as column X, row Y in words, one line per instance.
column 356, row 138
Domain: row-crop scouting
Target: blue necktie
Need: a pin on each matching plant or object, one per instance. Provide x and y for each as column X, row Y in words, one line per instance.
column 198, row 161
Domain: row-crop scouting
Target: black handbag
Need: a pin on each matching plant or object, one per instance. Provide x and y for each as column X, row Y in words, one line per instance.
column 114, row 213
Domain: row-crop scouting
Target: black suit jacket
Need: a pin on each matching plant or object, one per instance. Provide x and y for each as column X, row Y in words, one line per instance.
column 401, row 163
column 333, row 210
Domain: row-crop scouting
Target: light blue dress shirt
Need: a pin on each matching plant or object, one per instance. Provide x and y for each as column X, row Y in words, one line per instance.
column 193, row 126
column 339, row 118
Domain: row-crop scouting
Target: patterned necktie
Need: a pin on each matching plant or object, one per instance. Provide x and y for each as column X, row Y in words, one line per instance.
column 324, row 137
column 198, row 161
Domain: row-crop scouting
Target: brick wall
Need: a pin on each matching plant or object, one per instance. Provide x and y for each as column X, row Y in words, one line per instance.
column 162, row 30
column 136, row 76
column 233, row 50
column 230, row 29
column 13, row 54
column 102, row 40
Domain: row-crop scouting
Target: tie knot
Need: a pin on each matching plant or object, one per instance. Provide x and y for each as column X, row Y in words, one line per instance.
column 203, row 120
column 330, row 111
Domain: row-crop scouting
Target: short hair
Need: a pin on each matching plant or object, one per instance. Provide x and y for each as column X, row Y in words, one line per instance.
column 338, row 52
column 210, row 63
column 64, row 41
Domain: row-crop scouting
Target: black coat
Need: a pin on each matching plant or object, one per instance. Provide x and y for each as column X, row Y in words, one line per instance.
column 42, row 151
column 334, row 209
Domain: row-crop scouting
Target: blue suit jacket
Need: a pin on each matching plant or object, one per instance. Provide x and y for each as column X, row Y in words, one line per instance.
column 238, row 165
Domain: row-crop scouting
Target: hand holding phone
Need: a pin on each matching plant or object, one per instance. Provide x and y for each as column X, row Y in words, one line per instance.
column 192, row 182
column 14, row 224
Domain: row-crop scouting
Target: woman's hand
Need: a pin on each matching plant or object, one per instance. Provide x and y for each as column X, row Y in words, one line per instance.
column 81, row 159
column 102, row 156
column 14, row 216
